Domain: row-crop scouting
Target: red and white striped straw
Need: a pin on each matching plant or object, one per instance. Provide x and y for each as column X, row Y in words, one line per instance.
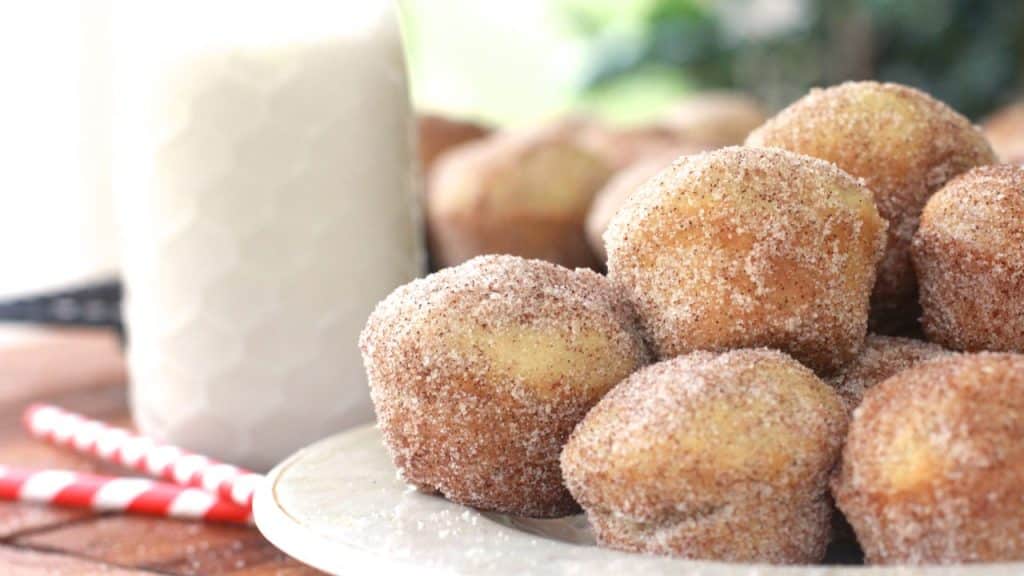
column 141, row 453
column 106, row 493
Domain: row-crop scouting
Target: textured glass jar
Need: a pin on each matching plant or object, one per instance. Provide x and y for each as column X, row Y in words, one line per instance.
column 264, row 174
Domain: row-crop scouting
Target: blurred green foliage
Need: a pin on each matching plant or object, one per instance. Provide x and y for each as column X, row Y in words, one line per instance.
column 965, row 52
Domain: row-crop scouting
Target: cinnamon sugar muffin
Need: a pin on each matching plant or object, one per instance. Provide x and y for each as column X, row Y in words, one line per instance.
column 478, row 374
column 1005, row 130
column 933, row 468
column 713, row 457
column 622, row 147
column 904, row 144
column 881, row 358
column 715, row 118
column 524, row 193
column 438, row 134
column 614, row 193
column 969, row 256
column 747, row 247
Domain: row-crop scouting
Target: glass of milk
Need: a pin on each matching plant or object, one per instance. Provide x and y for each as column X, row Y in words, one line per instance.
column 264, row 175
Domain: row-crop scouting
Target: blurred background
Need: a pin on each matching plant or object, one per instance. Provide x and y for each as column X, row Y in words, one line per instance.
column 638, row 83
column 513, row 62
column 629, row 68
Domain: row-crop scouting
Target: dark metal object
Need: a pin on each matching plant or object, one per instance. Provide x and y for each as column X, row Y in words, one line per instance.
column 96, row 305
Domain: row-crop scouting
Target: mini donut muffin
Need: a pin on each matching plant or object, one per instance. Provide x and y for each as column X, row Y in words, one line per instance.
column 622, row 147
column 713, row 457
column 524, row 193
column 1005, row 130
column 881, row 358
column 969, row 257
column 478, row 374
column 438, row 134
column 715, row 118
column 904, row 144
column 747, row 247
column 933, row 468
column 614, row 193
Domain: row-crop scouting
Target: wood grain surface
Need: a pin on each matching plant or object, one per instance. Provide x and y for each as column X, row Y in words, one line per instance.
column 84, row 371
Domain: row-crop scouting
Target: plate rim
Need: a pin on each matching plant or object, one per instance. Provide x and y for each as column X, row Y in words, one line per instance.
column 291, row 536
column 270, row 518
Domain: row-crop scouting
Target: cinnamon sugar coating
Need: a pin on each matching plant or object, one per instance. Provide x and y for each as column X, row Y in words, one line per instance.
column 711, row 456
column 933, row 468
column 881, row 358
column 969, row 257
column 748, row 247
column 619, row 187
column 904, row 144
column 478, row 374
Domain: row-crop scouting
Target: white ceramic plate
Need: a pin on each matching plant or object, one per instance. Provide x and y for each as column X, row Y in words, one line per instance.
column 338, row 506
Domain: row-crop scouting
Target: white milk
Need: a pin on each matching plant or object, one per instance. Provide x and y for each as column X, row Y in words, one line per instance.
column 263, row 165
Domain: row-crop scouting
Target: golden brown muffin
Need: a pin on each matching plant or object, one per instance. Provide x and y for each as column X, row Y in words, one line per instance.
column 881, row 358
column 1005, row 130
column 713, row 457
column 933, row 469
column 748, row 247
column 478, row 374
column 438, row 134
column 904, row 144
column 614, row 193
column 622, row 147
column 524, row 194
column 715, row 119
column 969, row 257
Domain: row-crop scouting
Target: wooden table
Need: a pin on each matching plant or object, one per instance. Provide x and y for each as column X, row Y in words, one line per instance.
column 84, row 371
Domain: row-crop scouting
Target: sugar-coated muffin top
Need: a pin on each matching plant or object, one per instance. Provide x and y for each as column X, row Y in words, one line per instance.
column 745, row 247
column 478, row 374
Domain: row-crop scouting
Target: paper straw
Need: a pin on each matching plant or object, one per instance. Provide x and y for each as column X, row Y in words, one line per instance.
column 141, row 453
column 105, row 493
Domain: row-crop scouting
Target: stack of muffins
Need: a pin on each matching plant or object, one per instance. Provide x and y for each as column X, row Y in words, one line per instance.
column 718, row 394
